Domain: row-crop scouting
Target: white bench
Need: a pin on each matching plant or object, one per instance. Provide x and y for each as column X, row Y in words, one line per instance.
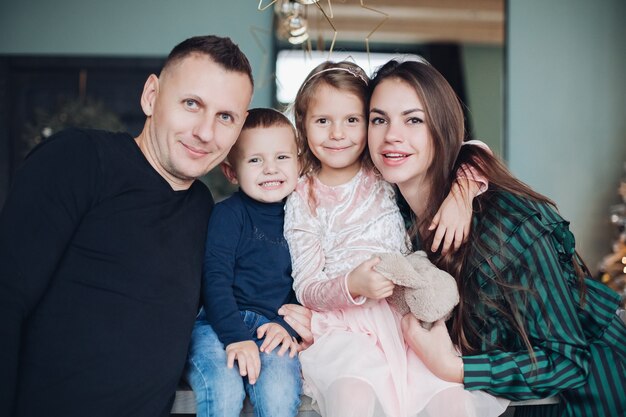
column 185, row 403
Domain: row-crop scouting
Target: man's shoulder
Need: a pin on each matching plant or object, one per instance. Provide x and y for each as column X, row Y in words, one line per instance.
column 90, row 136
column 201, row 188
column 66, row 151
column 200, row 199
column 75, row 143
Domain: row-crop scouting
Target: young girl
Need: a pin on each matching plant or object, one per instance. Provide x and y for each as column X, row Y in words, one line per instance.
column 342, row 213
column 530, row 324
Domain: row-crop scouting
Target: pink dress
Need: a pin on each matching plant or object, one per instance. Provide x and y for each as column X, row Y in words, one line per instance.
column 359, row 363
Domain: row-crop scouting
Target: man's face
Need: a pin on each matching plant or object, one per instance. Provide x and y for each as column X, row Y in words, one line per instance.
column 195, row 112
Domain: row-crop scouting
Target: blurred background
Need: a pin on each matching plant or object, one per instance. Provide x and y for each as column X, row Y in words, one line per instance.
column 543, row 80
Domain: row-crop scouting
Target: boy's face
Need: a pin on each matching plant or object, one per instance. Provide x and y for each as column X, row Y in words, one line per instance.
column 264, row 163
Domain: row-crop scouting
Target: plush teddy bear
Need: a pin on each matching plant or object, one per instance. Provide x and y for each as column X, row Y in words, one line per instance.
column 421, row 288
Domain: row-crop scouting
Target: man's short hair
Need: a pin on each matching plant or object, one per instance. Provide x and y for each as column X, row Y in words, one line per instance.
column 221, row 50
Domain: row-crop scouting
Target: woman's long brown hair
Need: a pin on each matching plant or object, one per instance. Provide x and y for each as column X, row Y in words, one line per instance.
column 444, row 119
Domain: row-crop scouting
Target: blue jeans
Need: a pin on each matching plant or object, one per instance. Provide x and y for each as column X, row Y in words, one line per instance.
column 220, row 391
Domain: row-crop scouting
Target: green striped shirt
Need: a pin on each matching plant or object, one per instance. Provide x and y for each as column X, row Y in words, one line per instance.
column 580, row 351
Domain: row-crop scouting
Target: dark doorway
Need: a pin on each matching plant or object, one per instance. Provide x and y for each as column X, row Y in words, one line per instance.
column 32, row 86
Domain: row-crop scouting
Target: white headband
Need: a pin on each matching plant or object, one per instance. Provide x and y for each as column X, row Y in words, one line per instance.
column 348, row 70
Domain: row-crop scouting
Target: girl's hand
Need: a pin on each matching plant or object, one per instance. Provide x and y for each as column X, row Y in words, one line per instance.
column 454, row 217
column 275, row 335
column 246, row 354
column 365, row 281
column 299, row 318
column 434, row 347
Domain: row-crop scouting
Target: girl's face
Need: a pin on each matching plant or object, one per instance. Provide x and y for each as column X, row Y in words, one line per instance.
column 399, row 139
column 336, row 130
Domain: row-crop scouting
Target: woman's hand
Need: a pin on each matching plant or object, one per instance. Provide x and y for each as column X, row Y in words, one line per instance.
column 454, row 217
column 299, row 318
column 434, row 347
column 365, row 281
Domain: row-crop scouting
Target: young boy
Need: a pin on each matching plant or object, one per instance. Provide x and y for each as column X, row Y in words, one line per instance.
column 246, row 279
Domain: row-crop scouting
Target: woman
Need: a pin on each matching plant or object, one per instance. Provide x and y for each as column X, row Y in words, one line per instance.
column 529, row 324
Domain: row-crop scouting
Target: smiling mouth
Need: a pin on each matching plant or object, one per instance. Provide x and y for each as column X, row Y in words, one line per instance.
column 194, row 151
column 395, row 156
column 271, row 184
column 337, row 149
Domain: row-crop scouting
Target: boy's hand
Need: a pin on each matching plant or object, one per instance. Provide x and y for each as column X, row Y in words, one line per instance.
column 454, row 217
column 246, row 354
column 275, row 335
column 364, row 280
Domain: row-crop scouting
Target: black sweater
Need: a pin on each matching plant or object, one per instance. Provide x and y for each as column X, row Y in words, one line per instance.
column 100, row 271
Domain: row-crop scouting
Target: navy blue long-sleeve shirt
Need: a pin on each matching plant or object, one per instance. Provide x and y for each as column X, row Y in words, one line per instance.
column 246, row 266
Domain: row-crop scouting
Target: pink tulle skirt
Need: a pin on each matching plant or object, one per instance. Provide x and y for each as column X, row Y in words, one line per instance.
column 359, row 365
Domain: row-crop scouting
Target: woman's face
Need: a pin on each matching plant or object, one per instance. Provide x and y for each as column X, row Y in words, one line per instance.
column 399, row 139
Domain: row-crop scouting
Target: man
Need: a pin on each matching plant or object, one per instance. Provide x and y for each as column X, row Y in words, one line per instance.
column 101, row 245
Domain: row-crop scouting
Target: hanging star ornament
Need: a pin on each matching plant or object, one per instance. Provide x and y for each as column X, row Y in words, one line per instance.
column 266, row 6
column 328, row 18
column 367, row 38
column 264, row 75
column 289, row 25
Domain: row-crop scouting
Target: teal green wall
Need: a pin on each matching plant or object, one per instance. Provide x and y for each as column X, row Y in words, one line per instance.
column 484, row 72
column 566, row 98
column 135, row 28
column 153, row 27
column 566, row 93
